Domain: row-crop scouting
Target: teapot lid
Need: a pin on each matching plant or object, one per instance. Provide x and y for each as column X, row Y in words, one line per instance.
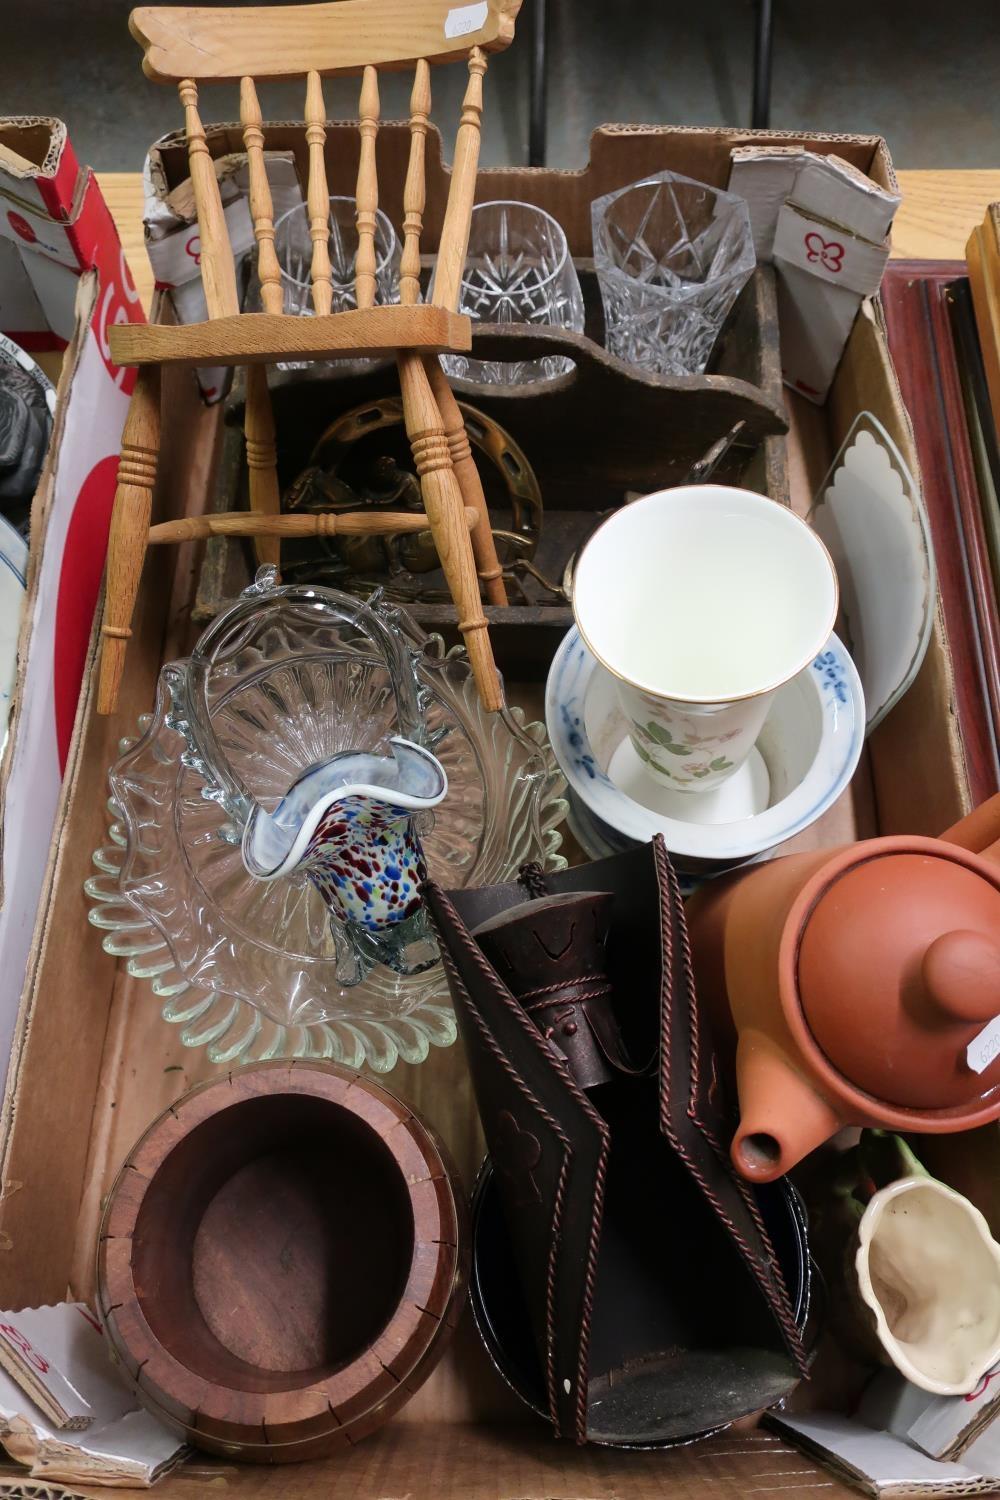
column 898, row 976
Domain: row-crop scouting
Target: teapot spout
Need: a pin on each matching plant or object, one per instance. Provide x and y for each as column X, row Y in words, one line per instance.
column 782, row 1118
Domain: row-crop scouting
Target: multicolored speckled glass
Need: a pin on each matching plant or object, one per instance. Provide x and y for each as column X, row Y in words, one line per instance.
column 350, row 825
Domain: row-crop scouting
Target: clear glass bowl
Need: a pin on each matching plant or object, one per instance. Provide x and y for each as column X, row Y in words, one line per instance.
column 248, row 968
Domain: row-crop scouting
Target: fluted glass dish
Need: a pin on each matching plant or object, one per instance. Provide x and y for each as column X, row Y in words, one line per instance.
column 248, row 968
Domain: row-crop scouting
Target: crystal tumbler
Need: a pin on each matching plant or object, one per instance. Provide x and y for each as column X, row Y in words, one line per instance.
column 518, row 270
column 671, row 256
column 293, row 247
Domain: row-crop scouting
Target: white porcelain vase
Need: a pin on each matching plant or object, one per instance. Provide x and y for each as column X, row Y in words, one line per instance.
column 702, row 601
column 929, row 1270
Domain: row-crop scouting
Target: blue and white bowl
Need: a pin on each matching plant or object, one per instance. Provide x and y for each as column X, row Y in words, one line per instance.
column 804, row 759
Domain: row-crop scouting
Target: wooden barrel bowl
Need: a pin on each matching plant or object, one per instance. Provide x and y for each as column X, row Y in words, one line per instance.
column 281, row 1261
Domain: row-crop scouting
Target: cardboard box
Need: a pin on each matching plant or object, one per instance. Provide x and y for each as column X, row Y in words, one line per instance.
column 824, row 225
column 69, row 283
column 904, row 1441
column 885, row 1466
column 95, row 1062
column 54, row 227
column 174, row 246
column 941, row 1426
column 64, row 1413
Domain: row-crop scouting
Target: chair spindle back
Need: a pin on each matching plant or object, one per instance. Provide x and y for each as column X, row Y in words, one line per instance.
column 415, row 189
column 217, row 265
column 218, row 273
column 261, row 208
column 318, row 196
column 366, row 193
column 454, row 242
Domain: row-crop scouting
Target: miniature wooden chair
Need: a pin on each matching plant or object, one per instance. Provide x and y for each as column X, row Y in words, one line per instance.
column 354, row 37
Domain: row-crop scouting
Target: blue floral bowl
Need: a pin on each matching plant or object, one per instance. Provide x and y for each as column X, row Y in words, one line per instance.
column 803, row 761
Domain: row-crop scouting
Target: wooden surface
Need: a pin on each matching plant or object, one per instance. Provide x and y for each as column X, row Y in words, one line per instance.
column 415, row 187
column 443, row 502
column 920, row 338
column 201, row 44
column 938, row 213
column 484, row 548
column 261, row 206
column 454, row 241
column 262, row 459
column 303, row 1214
column 366, row 195
column 261, row 338
column 341, row 36
column 608, row 427
column 265, row 497
column 448, row 274
column 414, row 198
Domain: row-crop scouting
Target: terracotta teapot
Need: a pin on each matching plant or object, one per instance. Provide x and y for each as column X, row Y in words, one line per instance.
column 859, row 986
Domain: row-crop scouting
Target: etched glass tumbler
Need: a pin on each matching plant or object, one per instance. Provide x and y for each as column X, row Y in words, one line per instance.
column 293, row 247
column 518, row 270
column 671, row 256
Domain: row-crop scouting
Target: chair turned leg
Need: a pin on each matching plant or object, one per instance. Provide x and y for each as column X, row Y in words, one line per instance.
column 262, row 460
column 129, row 530
column 446, row 513
column 483, row 543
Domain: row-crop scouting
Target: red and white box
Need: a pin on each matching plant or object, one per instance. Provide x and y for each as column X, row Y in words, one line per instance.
column 825, row 227
column 63, row 283
column 173, row 243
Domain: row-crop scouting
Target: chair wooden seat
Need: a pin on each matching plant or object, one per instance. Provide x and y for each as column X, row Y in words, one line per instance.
column 261, row 338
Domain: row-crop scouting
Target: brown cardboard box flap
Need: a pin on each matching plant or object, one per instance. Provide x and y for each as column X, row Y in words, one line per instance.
column 429, row 1461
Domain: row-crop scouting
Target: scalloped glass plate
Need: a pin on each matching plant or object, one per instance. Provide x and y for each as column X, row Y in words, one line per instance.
column 248, row 968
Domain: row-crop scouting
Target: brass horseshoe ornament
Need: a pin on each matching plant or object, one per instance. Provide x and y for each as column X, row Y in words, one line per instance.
column 321, row 486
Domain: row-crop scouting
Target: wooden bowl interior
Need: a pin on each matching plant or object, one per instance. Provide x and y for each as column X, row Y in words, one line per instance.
column 273, row 1244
